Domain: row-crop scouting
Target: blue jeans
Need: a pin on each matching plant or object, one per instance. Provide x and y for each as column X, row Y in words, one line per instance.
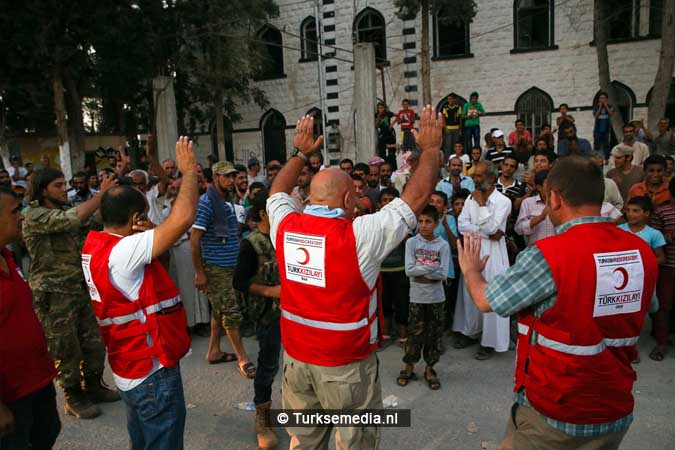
column 601, row 142
column 269, row 341
column 156, row 411
column 471, row 134
column 37, row 423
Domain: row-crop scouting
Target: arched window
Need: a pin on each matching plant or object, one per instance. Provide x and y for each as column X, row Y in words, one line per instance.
column 369, row 27
column 309, row 40
column 273, row 125
column 670, row 102
column 534, row 107
column 450, row 39
column 533, row 24
column 273, row 53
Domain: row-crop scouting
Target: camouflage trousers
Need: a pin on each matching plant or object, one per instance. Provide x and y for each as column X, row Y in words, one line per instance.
column 226, row 308
column 72, row 335
column 425, row 329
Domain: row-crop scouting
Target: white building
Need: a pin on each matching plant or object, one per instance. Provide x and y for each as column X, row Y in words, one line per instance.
column 524, row 57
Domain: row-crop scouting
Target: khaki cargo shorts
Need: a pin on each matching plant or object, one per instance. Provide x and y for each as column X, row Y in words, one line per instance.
column 225, row 307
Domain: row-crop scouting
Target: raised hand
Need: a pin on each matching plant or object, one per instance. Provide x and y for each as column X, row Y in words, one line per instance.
column 124, row 156
column 430, row 134
column 304, row 136
column 469, row 254
column 107, row 182
column 185, row 156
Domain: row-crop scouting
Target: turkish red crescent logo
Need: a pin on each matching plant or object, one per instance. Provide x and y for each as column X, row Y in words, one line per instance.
column 303, row 251
column 624, row 276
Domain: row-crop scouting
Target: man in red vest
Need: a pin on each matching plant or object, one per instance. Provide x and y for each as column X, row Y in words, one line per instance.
column 328, row 266
column 138, row 307
column 28, row 414
column 581, row 297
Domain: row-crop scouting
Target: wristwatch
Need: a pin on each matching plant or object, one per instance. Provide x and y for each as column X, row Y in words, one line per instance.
column 299, row 154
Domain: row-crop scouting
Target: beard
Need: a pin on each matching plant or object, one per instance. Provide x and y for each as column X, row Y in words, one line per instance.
column 484, row 186
column 56, row 201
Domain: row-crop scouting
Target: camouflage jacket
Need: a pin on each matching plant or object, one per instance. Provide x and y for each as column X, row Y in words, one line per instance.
column 264, row 310
column 54, row 239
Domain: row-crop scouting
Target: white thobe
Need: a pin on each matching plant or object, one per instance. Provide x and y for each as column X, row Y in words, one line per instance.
column 485, row 221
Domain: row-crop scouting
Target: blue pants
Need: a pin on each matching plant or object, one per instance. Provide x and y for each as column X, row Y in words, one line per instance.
column 471, row 134
column 601, row 142
column 269, row 341
column 36, row 419
column 156, row 411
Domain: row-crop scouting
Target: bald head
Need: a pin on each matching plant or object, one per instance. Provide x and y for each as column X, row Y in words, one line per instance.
column 333, row 188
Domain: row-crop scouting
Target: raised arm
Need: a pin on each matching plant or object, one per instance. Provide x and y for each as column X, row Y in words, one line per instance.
column 423, row 180
column 304, row 141
column 88, row 208
column 185, row 207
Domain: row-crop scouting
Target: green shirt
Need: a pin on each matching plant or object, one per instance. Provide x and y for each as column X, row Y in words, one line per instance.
column 54, row 239
column 468, row 108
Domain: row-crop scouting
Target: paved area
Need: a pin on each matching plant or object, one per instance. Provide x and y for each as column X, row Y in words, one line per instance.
column 468, row 413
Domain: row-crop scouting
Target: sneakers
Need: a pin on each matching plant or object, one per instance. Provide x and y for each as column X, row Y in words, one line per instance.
column 267, row 438
column 98, row 392
column 78, row 405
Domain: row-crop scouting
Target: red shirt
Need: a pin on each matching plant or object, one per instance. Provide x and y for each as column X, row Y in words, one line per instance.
column 25, row 364
column 514, row 137
column 406, row 117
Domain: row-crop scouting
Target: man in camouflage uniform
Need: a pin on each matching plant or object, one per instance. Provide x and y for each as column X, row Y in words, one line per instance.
column 257, row 275
column 54, row 235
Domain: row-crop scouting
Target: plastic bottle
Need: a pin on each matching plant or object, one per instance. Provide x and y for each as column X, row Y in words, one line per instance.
column 246, row 406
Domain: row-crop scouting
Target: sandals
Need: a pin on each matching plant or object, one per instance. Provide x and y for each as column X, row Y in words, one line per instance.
column 432, row 379
column 247, row 370
column 484, row 353
column 657, row 354
column 227, row 357
column 404, row 377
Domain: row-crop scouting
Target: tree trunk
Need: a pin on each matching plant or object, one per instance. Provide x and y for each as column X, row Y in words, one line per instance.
column 61, row 124
column 424, row 54
column 601, row 37
column 4, row 149
column 220, row 127
column 664, row 74
column 75, row 123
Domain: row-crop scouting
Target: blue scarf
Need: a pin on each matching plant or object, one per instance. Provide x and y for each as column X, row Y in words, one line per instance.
column 324, row 211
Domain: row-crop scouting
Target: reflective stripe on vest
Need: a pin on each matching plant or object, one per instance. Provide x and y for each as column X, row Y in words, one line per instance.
column 120, row 320
column 584, row 350
column 335, row 326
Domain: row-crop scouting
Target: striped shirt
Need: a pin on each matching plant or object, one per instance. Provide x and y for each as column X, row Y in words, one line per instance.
column 664, row 221
column 529, row 282
column 214, row 251
column 497, row 156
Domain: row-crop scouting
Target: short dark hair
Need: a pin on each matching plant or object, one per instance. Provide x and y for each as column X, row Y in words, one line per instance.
column 578, row 180
column 565, row 105
column 601, row 93
column 4, row 170
column 80, row 174
column 388, row 191
column 430, row 211
column 462, row 193
column 628, row 125
column 405, row 100
column 258, row 204
column 347, row 160
column 40, row 180
column 669, row 158
column 511, row 156
column 255, row 185
column 8, row 192
column 654, row 160
column 119, row 203
column 546, row 125
column 442, row 195
column 643, row 202
column 671, row 187
column 240, row 168
column 540, row 177
column 357, row 177
column 548, row 153
column 520, row 121
column 361, row 166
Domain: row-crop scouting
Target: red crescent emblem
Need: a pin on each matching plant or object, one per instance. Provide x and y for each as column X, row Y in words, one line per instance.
column 306, row 254
column 624, row 275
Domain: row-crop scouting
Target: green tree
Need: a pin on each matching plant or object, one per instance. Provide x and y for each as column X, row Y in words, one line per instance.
column 456, row 11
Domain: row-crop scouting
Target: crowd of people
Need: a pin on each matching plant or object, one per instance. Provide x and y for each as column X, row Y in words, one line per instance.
column 172, row 249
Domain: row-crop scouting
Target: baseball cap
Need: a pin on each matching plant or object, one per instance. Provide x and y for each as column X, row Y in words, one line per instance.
column 223, row 168
column 497, row 133
column 253, row 162
column 622, row 150
column 596, row 154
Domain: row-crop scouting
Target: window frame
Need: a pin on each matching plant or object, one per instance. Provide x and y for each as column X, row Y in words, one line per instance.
column 305, row 55
column 436, row 44
column 532, row 127
column 356, row 31
column 551, row 45
column 267, row 43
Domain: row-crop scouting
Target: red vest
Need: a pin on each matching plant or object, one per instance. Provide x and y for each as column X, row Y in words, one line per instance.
column 578, row 369
column 25, row 363
column 119, row 319
column 329, row 316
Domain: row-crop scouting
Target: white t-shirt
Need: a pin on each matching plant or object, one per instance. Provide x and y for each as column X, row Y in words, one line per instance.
column 126, row 267
column 155, row 205
column 22, row 173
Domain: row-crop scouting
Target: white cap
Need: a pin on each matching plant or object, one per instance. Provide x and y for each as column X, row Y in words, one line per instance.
column 497, row 133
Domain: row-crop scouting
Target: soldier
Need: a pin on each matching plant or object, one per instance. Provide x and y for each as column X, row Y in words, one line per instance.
column 257, row 275
column 54, row 235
